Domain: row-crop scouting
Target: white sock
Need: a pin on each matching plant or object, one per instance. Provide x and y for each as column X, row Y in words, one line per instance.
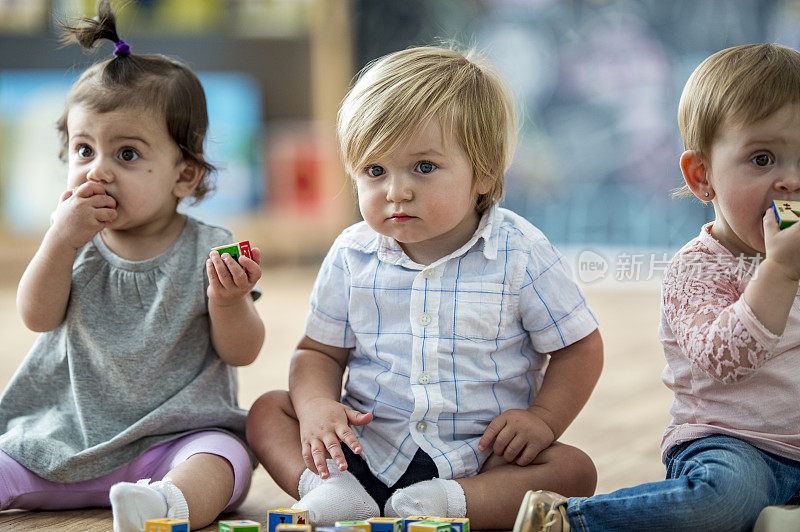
column 309, row 481
column 133, row 504
column 439, row 497
column 340, row 497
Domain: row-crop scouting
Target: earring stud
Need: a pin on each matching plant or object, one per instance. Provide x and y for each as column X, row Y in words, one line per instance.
column 706, row 194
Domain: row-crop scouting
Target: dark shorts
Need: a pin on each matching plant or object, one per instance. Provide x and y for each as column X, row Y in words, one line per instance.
column 421, row 468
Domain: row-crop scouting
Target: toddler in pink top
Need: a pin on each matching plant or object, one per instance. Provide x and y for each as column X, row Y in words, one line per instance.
column 730, row 319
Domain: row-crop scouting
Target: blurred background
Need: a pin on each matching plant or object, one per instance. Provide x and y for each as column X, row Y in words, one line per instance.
column 597, row 84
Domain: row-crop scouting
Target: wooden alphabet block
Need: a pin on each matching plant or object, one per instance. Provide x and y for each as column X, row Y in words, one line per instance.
column 290, row 516
column 457, row 524
column 293, row 528
column 429, row 526
column 414, row 518
column 787, row 212
column 359, row 525
column 239, row 526
column 166, row 525
column 235, row 250
column 385, row 524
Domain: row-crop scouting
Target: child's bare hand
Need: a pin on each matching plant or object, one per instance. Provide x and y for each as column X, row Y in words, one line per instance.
column 782, row 245
column 321, row 433
column 518, row 435
column 230, row 281
column 82, row 213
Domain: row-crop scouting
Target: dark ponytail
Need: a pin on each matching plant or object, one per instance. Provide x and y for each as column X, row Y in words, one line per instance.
column 88, row 31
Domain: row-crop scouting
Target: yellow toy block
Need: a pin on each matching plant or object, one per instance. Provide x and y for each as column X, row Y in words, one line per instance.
column 360, row 525
column 293, row 528
column 289, row 516
column 166, row 525
column 429, row 526
column 458, row 524
column 787, row 212
column 241, row 525
column 385, row 524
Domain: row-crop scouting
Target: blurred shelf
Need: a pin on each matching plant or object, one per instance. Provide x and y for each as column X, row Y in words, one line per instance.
column 280, row 66
column 257, row 18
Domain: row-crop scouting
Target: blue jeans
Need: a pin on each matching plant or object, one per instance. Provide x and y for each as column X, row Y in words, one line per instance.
column 713, row 483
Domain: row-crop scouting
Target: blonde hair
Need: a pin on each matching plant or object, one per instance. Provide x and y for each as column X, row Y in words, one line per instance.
column 398, row 94
column 743, row 84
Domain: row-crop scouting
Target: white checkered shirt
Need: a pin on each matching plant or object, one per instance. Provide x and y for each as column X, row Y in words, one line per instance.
column 439, row 351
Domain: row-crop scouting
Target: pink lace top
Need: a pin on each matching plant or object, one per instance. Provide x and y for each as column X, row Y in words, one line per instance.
column 730, row 374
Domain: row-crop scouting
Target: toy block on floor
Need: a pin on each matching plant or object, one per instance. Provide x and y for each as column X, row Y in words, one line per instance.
column 359, row 525
column 166, row 525
column 337, row 529
column 293, row 528
column 429, row 526
column 385, row 524
column 239, row 526
column 458, row 524
column 787, row 212
column 235, row 250
column 289, row 516
column 414, row 518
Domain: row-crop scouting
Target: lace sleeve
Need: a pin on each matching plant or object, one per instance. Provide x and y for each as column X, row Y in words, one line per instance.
column 713, row 325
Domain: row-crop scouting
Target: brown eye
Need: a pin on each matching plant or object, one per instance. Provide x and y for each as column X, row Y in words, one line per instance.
column 762, row 159
column 85, row 151
column 128, row 154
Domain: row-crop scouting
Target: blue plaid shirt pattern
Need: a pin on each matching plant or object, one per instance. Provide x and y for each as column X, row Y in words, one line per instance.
column 439, row 351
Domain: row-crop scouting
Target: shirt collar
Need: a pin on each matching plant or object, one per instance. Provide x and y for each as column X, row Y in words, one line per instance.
column 746, row 265
column 712, row 243
column 388, row 250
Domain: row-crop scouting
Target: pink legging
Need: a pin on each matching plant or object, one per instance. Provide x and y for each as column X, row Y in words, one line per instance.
column 22, row 489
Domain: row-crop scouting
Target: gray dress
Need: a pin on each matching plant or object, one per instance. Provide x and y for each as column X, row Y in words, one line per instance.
column 131, row 366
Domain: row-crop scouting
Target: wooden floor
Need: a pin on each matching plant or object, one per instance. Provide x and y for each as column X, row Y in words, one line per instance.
column 620, row 428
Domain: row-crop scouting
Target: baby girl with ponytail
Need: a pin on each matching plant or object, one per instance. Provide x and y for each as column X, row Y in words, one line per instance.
column 128, row 397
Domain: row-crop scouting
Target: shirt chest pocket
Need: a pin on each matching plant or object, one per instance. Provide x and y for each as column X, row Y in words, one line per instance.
column 479, row 310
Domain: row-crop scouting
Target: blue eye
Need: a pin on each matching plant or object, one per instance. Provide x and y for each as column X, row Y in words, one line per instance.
column 762, row 159
column 84, row 151
column 375, row 171
column 425, row 167
column 128, row 154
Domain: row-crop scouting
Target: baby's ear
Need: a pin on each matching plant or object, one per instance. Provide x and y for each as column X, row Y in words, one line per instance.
column 482, row 185
column 188, row 179
column 696, row 172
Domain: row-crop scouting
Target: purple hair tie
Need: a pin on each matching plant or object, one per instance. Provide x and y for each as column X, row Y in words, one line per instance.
column 121, row 48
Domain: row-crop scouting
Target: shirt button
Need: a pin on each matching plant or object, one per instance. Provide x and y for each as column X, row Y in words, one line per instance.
column 425, row 319
column 421, row 426
column 428, row 274
column 424, row 378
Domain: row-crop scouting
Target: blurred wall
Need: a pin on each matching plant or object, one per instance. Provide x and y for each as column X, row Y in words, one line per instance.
column 273, row 81
column 597, row 81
